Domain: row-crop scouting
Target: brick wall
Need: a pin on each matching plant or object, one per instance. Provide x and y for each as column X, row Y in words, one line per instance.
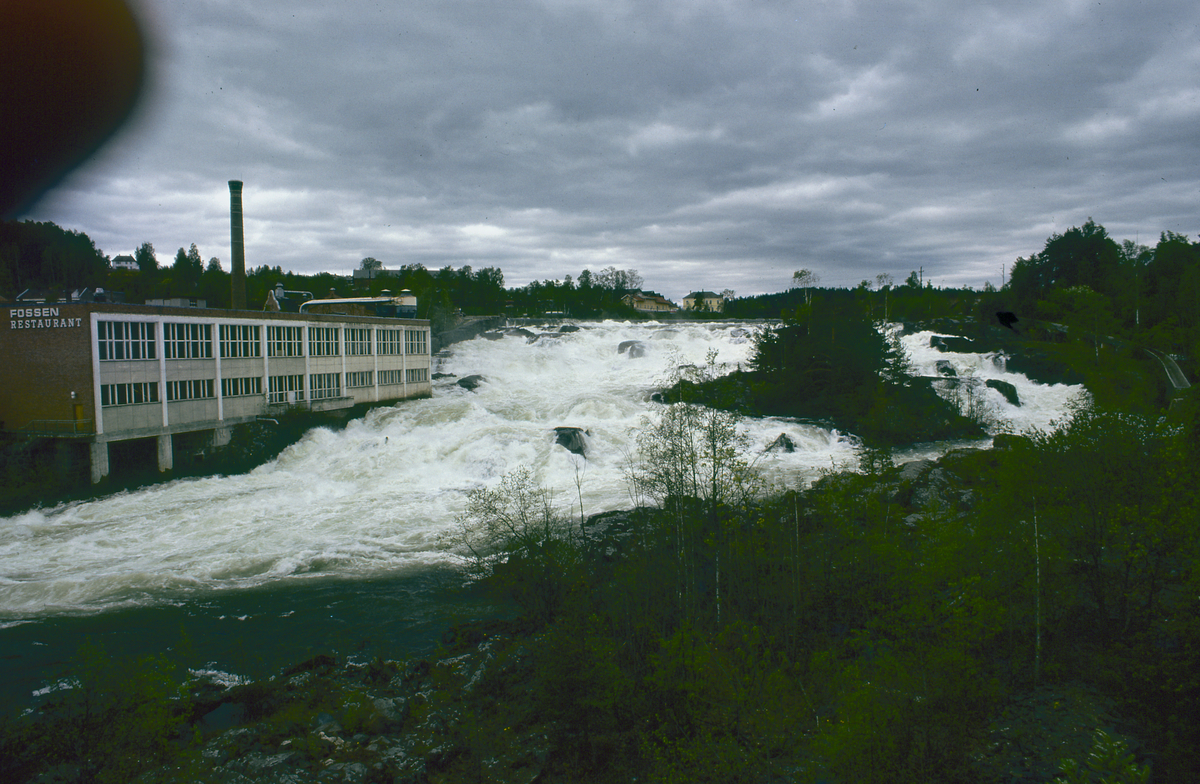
column 45, row 355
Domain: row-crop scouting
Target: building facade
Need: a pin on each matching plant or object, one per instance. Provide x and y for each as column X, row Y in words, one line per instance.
column 705, row 301
column 113, row 372
column 649, row 302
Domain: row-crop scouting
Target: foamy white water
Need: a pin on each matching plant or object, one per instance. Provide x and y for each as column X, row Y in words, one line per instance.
column 372, row 500
column 1039, row 404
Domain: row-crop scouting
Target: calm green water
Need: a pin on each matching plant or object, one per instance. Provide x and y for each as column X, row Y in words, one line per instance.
column 248, row 634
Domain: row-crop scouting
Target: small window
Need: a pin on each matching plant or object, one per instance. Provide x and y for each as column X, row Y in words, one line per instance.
column 128, row 394
column 286, row 389
column 187, row 341
column 285, row 342
column 415, row 342
column 240, row 340
column 325, row 385
column 120, row 340
column 324, row 342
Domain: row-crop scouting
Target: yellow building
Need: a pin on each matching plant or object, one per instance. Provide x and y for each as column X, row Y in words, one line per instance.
column 705, row 301
column 649, row 302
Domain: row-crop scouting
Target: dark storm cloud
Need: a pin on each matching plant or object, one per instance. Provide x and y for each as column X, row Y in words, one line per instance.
column 706, row 144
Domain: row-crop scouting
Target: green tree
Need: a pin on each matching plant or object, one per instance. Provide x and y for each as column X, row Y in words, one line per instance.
column 1081, row 256
column 690, row 462
column 513, row 537
column 186, row 272
column 145, row 258
column 214, row 285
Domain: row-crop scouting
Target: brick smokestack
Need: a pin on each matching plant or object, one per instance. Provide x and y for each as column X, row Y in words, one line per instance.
column 239, row 246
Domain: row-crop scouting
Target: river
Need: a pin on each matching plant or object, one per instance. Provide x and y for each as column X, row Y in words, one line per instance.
column 335, row 544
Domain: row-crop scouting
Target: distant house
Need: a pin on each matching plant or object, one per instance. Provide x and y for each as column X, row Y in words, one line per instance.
column 705, row 301
column 124, row 262
column 649, row 302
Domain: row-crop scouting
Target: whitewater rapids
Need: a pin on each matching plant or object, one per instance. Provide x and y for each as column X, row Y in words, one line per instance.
column 372, row 500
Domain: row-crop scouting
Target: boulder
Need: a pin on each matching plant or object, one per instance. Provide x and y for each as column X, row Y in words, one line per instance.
column 1006, row 389
column 568, row 328
column 470, row 383
column 914, row 470
column 607, row 534
column 944, row 368
column 782, row 444
column 635, row 348
column 573, row 439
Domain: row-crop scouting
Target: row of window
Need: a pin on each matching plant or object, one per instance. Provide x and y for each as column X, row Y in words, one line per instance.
column 128, row 394
column 122, row 340
column 241, row 387
column 192, row 389
column 281, row 389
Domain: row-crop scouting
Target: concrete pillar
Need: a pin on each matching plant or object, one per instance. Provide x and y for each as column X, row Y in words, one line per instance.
column 166, row 453
column 99, row 460
column 221, row 436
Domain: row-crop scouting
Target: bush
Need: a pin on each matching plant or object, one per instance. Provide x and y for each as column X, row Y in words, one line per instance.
column 512, row 538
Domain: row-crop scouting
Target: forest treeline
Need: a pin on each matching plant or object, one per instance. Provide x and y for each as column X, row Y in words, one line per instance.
column 43, row 256
column 1081, row 278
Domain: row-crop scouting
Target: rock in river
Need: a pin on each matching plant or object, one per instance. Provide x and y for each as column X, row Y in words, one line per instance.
column 635, row 348
column 1006, row 389
column 572, row 438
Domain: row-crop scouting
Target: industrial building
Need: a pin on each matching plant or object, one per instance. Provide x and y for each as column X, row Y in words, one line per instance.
column 100, row 371
column 105, row 372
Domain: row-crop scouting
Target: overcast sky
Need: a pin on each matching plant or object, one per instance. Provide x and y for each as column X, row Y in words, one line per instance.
column 706, row 144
